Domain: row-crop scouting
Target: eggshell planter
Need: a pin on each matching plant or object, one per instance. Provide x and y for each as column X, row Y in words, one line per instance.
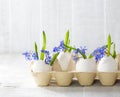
column 86, row 78
column 56, row 66
column 64, row 63
column 71, row 65
column 86, row 71
column 107, row 78
column 107, row 71
column 86, row 65
column 63, row 78
column 117, row 59
column 41, row 72
column 64, row 59
column 118, row 74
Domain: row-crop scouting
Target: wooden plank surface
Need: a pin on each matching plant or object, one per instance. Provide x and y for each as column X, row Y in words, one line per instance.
column 16, row 81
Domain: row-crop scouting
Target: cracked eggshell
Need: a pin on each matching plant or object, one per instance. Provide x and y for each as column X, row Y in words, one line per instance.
column 40, row 66
column 86, row 65
column 64, row 59
column 107, row 64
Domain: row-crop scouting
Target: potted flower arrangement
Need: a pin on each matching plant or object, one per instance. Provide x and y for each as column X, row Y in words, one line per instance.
column 64, row 55
column 118, row 63
column 62, row 59
column 107, row 67
column 40, row 67
column 118, row 60
column 85, row 66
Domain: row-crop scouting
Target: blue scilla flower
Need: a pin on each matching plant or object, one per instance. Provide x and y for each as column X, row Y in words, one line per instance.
column 60, row 48
column 30, row 56
column 34, row 56
column 27, row 55
column 99, row 53
column 75, row 54
column 55, row 49
column 83, row 49
column 46, row 52
column 47, row 56
column 75, row 58
column 48, row 59
column 76, row 51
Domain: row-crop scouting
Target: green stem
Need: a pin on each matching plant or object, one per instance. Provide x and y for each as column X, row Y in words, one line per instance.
column 53, row 59
column 90, row 56
column 66, row 41
column 114, row 51
column 109, row 44
column 43, row 47
column 83, row 55
column 36, row 49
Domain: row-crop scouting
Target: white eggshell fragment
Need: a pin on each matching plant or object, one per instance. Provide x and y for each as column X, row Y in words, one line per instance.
column 64, row 59
column 40, row 66
column 107, row 64
column 86, row 65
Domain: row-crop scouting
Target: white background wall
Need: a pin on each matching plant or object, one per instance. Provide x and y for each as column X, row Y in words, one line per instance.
column 89, row 22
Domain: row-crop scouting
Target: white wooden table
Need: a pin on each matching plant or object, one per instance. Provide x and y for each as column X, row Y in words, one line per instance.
column 16, row 81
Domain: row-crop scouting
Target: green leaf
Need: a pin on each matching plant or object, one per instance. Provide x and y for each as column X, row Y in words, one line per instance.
column 90, row 56
column 53, row 59
column 114, row 51
column 43, row 46
column 36, row 49
column 67, row 41
column 69, row 50
column 109, row 44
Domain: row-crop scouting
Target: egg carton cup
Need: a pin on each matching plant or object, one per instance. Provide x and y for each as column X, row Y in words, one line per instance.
column 42, row 78
column 85, row 78
column 118, row 75
column 118, row 60
column 107, row 78
column 63, row 78
column 57, row 68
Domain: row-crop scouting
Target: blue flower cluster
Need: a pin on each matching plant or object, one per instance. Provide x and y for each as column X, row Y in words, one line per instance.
column 99, row 53
column 33, row 56
column 60, row 48
column 75, row 52
column 30, row 55
column 47, row 56
column 83, row 49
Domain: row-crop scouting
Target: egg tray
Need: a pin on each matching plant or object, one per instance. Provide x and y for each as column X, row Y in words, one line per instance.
column 84, row 78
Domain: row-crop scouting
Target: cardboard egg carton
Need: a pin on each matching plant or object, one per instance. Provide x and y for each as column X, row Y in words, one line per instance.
column 84, row 78
column 65, row 78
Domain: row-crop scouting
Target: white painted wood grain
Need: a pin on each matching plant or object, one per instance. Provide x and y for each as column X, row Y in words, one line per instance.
column 113, row 20
column 89, row 21
column 4, row 25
